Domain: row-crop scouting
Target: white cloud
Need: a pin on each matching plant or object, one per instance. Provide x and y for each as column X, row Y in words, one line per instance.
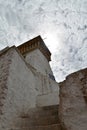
column 61, row 23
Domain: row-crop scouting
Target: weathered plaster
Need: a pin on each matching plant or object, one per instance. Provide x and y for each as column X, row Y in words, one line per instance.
column 38, row 61
column 73, row 107
column 25, row 89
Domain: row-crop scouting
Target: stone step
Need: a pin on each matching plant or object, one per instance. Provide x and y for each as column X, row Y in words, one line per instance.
column 37, row 121
column 43, row 114
column 43, row 111
column 39, row 115
column 48, row 127
column 52, row 107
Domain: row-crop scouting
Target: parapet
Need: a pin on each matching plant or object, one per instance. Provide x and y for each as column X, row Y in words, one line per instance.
column 36, row 43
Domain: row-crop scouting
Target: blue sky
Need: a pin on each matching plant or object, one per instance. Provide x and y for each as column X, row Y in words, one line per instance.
column 61, row 23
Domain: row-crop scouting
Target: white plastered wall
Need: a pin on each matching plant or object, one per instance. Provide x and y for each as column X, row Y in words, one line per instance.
column 21, row 94
column 39, row 62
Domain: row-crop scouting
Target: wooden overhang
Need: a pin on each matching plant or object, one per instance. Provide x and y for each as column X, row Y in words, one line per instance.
column 36, row 43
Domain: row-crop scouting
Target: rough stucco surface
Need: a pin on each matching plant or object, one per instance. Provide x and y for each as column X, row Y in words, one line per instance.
column 5, row 61
column 48, row 90
column 21, row 94
column 73, row 103
column 39, row 61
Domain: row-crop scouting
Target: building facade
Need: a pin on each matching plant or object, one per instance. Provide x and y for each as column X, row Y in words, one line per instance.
column 26, row 81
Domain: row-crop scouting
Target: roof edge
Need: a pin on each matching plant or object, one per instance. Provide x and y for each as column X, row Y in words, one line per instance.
column 35, row 43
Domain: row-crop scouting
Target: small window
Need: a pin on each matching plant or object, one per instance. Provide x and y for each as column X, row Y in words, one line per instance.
column 52, row 77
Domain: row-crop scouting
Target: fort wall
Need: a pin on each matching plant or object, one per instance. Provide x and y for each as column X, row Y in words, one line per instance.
column 73, row 101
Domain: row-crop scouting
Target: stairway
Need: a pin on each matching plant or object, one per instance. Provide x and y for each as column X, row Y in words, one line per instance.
column 42, row 118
